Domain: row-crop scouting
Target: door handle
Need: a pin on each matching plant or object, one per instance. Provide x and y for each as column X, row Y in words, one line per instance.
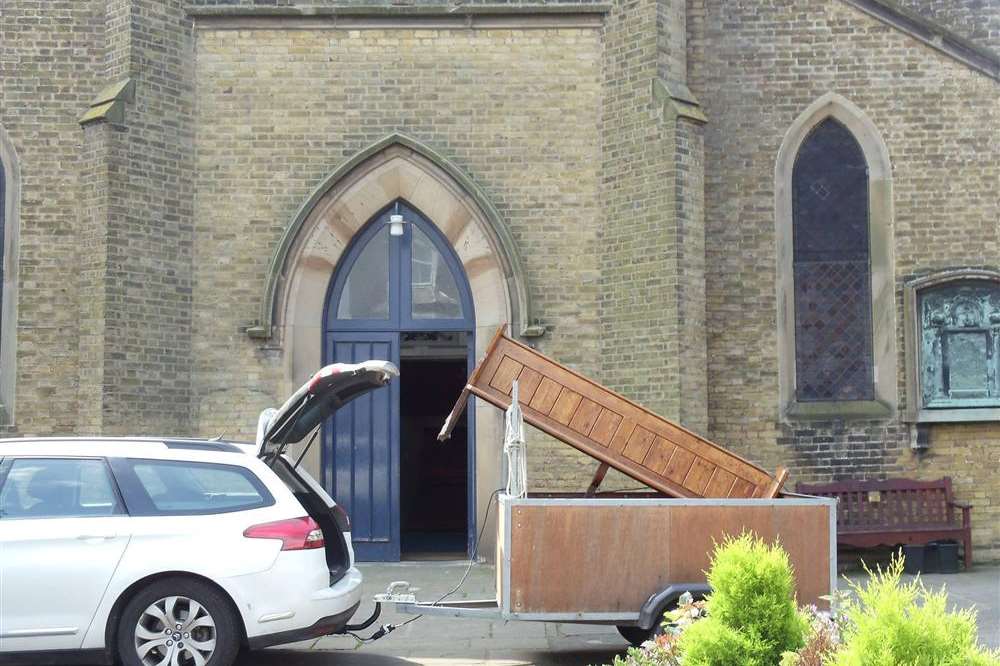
column 96, row 537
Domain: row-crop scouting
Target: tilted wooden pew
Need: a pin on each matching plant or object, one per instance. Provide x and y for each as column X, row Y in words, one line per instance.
column 607, row 426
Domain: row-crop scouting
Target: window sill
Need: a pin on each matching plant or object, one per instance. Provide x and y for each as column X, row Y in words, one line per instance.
column 966, row 415
column 855, row 409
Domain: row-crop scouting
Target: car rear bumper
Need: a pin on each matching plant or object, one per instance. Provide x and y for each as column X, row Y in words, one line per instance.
column 324, row 626
column 295, row 599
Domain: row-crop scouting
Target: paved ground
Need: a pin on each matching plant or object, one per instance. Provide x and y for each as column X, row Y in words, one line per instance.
column 447, row 641
column 451, row 642
column 980, row 589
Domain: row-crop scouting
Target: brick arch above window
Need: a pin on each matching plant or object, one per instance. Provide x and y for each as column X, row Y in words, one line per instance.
column 10, row 192
column 812, row 385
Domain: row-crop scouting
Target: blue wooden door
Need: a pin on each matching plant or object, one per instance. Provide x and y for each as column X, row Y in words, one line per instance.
column 362, row 468
column 386, row 285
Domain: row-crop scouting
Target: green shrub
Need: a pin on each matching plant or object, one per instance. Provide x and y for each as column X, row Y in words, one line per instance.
column 892, row 623
column 709, row 642
column 751, row 611
column 651, row 656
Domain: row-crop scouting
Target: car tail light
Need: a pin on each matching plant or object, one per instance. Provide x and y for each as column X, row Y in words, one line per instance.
column 295, row 533
column 323, row 374
column 341, row 518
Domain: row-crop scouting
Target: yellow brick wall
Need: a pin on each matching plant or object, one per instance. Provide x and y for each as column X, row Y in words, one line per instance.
column 279, row 110
column 760, row 65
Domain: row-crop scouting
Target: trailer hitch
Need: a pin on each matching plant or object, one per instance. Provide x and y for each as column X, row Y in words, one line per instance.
column 398, row 591
column 349, row 629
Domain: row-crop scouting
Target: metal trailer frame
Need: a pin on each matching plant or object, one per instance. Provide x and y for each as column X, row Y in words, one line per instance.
column 495, row 609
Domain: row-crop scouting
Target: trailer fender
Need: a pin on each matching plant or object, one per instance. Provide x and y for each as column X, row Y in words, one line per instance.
column 652, row 611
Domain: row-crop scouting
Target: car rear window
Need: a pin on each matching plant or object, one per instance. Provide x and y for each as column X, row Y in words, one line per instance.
column 169, row 487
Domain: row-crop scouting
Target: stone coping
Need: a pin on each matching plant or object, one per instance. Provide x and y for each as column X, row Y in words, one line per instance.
column 932, row 34
column 369, row 10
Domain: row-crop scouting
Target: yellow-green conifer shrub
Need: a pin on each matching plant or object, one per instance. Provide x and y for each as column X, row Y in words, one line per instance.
column 891, row 623
column 751, row 612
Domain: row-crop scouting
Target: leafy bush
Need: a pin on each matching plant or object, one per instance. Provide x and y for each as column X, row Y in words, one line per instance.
column 893, row 623
column 752, row 616
column 713, row 643
column 650, row 654
column 664, row 649
column 750, row 619
column 821, row 641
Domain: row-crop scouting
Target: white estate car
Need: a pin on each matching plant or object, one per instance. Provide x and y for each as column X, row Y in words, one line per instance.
column 175, row 552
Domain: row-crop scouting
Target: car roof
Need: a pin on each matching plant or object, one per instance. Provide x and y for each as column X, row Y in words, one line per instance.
column 153, row 447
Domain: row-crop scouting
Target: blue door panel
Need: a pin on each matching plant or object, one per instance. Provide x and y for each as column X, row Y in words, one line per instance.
column 363, row 471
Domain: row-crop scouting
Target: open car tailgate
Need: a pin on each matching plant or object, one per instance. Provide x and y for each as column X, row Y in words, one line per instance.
column 614, row 430
column 332, row 387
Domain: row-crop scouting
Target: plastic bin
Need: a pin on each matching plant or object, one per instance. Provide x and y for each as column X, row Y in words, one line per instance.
column 913, row 559
column 932, row 559
column 946, row 556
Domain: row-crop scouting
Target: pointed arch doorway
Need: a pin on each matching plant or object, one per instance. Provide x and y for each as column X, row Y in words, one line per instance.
column 400, row 293
column 316, row 241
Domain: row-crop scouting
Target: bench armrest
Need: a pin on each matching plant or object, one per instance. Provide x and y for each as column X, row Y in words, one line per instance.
column 966, row 513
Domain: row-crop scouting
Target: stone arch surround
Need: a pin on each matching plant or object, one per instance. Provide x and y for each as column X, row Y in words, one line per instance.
column 832, row 105
column 319, row 236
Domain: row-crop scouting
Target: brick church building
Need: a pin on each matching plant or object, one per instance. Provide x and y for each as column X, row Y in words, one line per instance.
column 775, row 221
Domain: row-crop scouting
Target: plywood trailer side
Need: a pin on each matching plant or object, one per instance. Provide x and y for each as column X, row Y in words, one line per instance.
column 601, row 559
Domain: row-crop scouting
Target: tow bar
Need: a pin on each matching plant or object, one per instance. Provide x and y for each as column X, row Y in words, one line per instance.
column 385, row 629
column 367, row 623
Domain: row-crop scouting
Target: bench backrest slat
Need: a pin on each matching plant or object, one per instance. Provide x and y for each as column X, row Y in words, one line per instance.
column 890, row 503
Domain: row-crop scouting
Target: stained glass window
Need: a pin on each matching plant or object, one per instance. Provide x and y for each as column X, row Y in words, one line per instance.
column 832, row 268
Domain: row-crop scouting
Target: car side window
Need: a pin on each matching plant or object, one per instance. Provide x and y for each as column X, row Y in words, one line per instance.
column 58, row 488
column 168, row 487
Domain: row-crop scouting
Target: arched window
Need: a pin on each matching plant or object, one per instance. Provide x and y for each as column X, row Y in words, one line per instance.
column 413, row 284
column 3, row 207
column 835, row 276
column 9, row 193
column 832, row 268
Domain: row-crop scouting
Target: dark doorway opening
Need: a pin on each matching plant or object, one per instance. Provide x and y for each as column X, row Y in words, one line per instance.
column 434, row 476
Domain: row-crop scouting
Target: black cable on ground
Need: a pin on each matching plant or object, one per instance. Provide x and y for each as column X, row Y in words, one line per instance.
column 387, row 629
column 475, row 551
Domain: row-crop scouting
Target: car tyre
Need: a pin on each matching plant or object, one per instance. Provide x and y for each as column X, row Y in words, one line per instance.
column 178, row 621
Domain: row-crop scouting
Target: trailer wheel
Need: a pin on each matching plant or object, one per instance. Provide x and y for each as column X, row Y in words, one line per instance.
column 637, row 635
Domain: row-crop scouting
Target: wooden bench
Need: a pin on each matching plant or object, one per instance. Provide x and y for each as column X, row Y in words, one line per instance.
column 896, row 511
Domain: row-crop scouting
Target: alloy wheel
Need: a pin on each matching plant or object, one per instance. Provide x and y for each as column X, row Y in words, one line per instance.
column 175, row 631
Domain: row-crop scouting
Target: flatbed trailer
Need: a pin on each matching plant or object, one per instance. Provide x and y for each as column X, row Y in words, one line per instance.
column 623, row 561
column 621, row 558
